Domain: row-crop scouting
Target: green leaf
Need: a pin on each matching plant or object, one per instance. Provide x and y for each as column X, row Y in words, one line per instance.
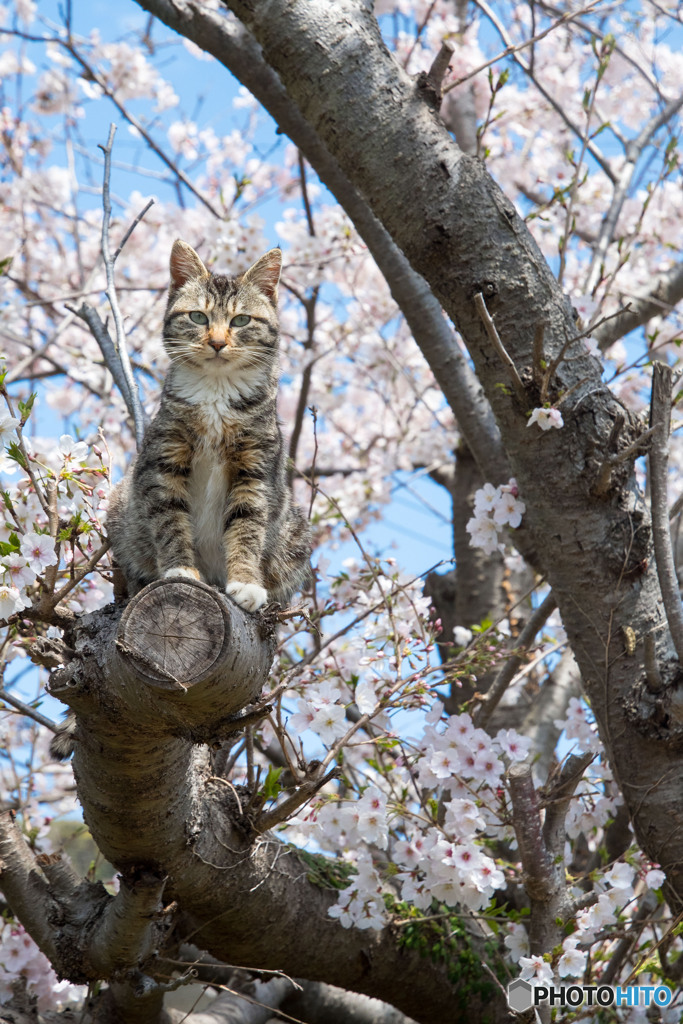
column 14, row 452
column 271, row 787
column 25, row 407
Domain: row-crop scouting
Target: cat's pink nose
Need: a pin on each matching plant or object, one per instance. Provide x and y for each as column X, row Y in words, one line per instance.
column 216, row 345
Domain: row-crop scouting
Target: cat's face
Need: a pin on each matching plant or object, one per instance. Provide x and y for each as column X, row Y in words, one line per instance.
column 213, row 321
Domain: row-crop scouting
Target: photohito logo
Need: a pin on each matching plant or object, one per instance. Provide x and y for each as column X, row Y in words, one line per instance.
column 522, row 995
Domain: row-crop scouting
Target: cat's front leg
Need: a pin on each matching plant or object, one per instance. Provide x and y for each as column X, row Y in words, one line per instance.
column 250, row 596
column 162, row 479
column 245, row 531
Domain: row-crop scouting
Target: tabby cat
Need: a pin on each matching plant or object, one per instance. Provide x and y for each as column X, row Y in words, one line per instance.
column 207, row 496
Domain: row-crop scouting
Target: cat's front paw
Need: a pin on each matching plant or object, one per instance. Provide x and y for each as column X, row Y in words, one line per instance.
column 249, row 596
column 182, row 570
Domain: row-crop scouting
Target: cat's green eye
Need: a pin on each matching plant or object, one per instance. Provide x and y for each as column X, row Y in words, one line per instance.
column 240, row 321
column 197, row 317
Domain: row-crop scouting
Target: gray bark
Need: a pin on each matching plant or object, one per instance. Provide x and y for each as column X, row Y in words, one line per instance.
column 237, row 50
column 157, row 812
column 147, row 789
column 464, row 237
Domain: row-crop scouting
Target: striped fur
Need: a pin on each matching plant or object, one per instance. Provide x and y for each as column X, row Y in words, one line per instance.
column 207, row 496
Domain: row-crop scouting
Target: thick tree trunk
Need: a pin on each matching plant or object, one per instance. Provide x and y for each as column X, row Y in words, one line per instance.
column 464, row 236
column 153, row 690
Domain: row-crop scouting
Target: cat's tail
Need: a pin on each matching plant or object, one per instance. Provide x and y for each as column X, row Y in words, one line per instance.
column 288, row 568
column 62, row 743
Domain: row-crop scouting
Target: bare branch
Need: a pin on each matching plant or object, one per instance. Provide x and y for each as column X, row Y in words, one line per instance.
column 27, row 710
column 439, row 68
column 660, row 419
column 528, row 70
column 494, row 337
column 100, row 333
column 23, row 886
column 536, row 622
column 634, row 149
column 657, row 300
column 237, row 50
column 121, row 345
column 512, row 49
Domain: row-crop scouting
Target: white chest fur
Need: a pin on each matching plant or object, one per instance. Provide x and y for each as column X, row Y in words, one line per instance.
column 208, row 487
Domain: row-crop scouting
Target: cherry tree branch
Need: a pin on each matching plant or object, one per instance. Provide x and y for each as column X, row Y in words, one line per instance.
column 660, row 419
column 109, row 260
column 233, row 45
column 512, row 48
column 24, row 886
column 27, row 710
column 536, row 622
column 594, row 151
column 115, row 354
column 662, row 295
column 634, row 150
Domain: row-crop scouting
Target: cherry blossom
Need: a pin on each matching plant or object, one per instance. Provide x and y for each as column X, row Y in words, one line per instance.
column 72, row 451
column 11, row 601
column 18, row 570
column 546, row 418
column 572, row 963
column 39, row 551
column 423, row 784
column 8, row 426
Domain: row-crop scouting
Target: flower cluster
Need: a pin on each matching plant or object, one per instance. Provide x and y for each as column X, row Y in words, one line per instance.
column 494, row 509
column 21, row 962
column 361, row 905
column 31, row 540
column 322, row 711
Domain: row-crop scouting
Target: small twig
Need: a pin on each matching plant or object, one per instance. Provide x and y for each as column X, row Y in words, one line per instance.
column 439, row 68
column 494, row 337
column 314, row 487
column 653, row 676
column 121, row 345
column 500, row 684
column 552, row 368
column 29, row 712
column 81, row 573
column 660, row 419
column 249, row 739
column 292, row 803
column 617, row 428
column 131, row 229
column 611, row 461
column 509, row 50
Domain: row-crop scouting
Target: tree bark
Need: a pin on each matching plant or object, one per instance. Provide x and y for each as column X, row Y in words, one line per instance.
column 153, row 689
column 464, row 236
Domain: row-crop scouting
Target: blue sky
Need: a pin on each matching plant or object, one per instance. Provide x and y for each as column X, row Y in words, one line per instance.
column 415, row 528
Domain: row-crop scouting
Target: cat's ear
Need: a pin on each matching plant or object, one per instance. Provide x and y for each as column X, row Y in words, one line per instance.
column 265, row 274
column 185, row 265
